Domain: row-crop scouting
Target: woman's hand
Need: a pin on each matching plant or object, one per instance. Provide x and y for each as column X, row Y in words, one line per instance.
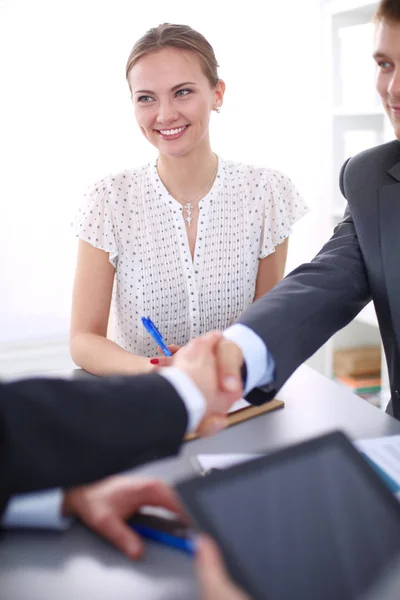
column 164, row 361
column 172, row 348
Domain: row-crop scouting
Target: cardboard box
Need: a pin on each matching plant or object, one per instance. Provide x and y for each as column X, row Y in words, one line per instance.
column 355, row 362
column 361, row 385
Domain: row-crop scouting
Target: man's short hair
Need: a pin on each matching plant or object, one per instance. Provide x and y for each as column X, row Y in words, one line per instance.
column 388, row 10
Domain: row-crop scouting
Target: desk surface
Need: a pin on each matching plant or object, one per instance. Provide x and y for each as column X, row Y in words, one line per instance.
column 77, row 565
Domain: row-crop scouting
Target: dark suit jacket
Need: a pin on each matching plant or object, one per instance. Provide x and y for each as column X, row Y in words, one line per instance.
column 359, row 263
column 62, row 433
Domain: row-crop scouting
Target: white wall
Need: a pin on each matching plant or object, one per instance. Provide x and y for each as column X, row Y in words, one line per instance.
column 69, row 122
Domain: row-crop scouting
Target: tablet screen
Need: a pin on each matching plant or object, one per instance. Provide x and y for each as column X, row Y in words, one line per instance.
column 310, row 523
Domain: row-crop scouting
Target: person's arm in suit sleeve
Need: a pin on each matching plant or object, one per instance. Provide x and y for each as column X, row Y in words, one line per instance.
column 43, row 509
column 62, row 433
column 260, row 365
column 305, row 309
column 38, row 509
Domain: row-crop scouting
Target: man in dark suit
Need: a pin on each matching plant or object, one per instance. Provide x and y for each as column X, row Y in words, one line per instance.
column 63, row 433
column 360, row 263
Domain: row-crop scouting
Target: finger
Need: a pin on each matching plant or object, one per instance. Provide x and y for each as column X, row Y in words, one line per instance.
column 203, row 346
column 213, row 578
column 161, row 361
column 212, row 425
column 208, row 554
column 212, row 337
column 115, row 530
column 229, row 361
column 210, row 570
column 157, row 493
column 173, row 348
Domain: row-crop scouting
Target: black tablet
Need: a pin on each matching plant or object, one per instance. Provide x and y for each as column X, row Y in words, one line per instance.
column 310, row 522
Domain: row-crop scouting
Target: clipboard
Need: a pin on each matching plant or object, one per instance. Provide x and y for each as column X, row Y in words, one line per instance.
column 239, row 416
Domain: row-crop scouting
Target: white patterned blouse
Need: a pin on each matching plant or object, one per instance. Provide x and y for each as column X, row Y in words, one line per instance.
column 247, row 212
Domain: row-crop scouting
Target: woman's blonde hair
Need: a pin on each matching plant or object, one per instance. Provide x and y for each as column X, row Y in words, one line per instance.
column 184, row 37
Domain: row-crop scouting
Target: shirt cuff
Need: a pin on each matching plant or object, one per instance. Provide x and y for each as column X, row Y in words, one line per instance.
column 260, row 365
column 190, row 394
column 38, row 510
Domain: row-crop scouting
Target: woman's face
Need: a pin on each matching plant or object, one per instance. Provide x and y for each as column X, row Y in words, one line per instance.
column 173, row 100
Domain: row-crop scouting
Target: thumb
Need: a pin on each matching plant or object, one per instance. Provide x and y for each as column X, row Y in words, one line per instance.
column 213, row 579
column 212, row 425
column 209, row 566
column 229, row 360
column 114, row 529
column 173, row 348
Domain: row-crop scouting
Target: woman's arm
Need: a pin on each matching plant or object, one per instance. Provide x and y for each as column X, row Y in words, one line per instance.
column 271, row 269
column 89, row 346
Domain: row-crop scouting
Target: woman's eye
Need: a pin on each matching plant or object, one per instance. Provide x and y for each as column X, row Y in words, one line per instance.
column 144, row 99
column 183, row 92
column 384, row 64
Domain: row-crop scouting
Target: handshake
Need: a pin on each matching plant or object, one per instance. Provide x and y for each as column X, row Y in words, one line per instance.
column 214, row 366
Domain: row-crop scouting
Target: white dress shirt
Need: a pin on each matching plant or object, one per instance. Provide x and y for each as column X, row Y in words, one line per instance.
column 43, row 509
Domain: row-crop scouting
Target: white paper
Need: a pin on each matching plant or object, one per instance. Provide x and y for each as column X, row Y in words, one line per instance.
column 222, row 461
column 238, row 405
column 385, row 452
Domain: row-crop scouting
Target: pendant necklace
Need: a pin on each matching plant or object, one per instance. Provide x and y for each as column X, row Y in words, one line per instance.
column 188, row 206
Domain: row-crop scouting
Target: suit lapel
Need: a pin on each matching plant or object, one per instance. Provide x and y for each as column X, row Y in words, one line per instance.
column 395, row 171
column 389, row 221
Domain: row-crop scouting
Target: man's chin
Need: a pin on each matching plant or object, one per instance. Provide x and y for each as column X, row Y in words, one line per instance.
column 396, row 126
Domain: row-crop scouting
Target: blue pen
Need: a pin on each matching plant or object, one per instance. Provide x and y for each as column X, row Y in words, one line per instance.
column 185, row 544
column 156, row 335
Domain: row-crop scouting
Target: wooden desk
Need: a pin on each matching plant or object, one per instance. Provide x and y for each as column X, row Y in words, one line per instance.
column 76, row 565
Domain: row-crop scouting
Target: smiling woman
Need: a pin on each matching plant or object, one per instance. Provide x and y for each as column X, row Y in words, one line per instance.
column 191, row 239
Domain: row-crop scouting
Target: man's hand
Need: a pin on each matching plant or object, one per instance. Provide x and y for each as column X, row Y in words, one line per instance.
column 214, row 364
column 106, row 505
column 229, row 364
column 213, row 579
column 199, row 360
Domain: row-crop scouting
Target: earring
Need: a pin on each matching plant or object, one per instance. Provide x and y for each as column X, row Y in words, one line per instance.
column 217, row 109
